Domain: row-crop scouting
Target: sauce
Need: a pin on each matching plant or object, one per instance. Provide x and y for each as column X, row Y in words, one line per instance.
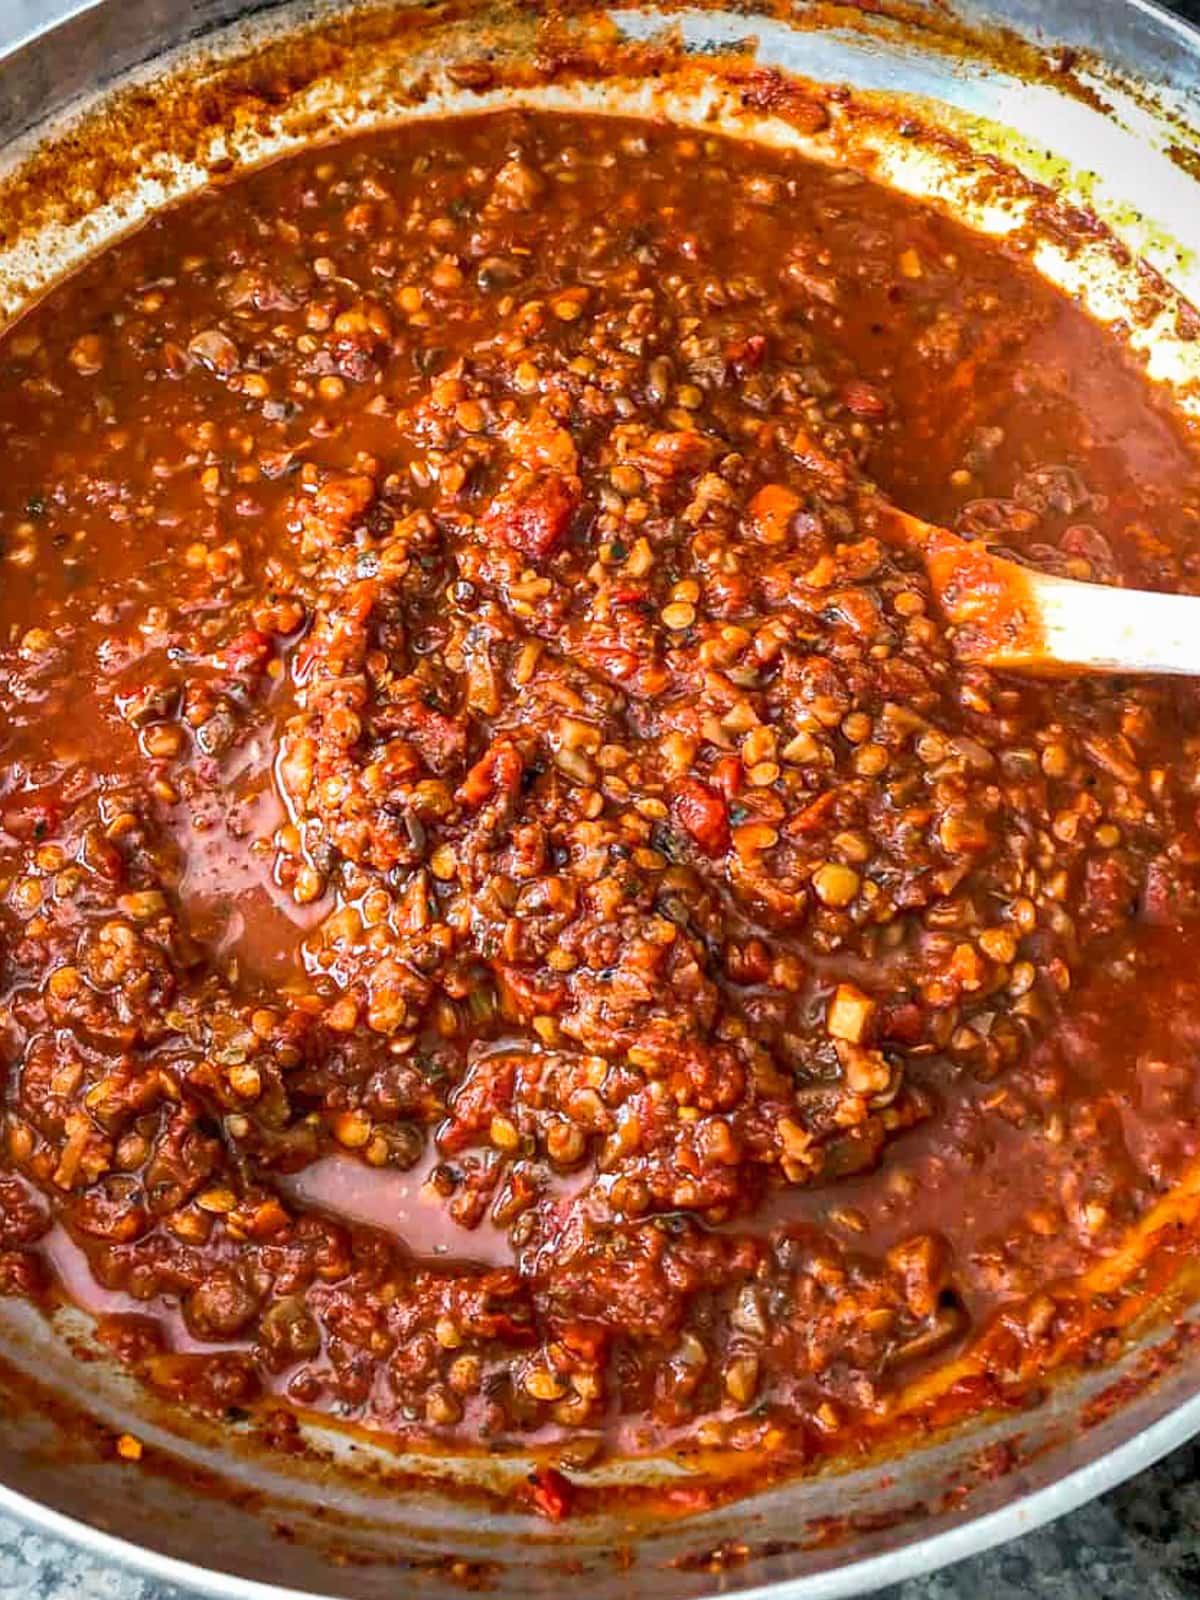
column 515, row 922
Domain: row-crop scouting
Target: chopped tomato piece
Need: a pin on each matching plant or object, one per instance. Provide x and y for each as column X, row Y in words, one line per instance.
column 247, row 653
column 551, row 1493
column 498, row 771
column 702, row 812
column 523, row 995
column 864, row 399
column 532, row 517
column 747, row 354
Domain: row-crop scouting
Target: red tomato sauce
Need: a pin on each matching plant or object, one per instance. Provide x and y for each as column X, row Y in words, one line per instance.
column 515, row 923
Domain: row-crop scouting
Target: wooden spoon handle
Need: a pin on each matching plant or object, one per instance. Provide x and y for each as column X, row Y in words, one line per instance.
column 1092, row 627
column 1009, row 616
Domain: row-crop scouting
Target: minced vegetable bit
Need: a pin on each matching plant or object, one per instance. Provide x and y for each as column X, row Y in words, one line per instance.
column 514, row 921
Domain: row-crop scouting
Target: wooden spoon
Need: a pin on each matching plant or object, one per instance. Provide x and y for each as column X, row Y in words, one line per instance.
column 1009, row 616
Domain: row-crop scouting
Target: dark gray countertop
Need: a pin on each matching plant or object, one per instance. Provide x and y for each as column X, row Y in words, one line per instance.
column 1139, row 1542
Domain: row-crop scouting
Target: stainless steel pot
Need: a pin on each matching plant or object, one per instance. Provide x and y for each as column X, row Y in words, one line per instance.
column 1101, row 101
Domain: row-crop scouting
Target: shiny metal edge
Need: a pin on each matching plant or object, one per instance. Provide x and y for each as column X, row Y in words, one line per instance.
column 914, row 1560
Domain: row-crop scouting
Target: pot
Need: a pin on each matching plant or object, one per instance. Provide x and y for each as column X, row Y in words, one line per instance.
column 110, row 108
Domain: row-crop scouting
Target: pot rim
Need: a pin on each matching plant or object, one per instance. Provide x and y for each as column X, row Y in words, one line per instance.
column 920, row 1555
